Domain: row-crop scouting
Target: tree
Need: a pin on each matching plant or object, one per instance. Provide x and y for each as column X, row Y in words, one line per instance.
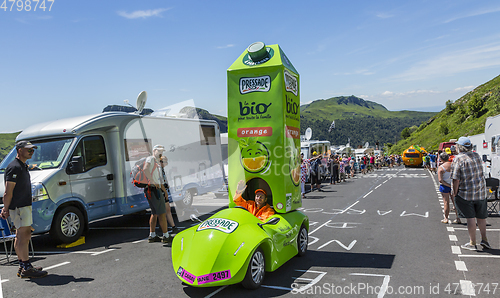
column 405, row 133
column 443, row 129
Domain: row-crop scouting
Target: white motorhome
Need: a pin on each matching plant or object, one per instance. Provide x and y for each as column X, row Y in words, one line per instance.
column 320, row 147
column 81, row 169
column 481, row 145
column 492, row 137
column 358, row 153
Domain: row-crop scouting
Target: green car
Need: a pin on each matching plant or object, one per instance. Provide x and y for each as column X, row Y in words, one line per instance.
column 234, row 246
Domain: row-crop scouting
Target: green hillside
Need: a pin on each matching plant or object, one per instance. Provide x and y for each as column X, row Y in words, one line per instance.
column 357, row 120
column 466, row 116
column 7, row 142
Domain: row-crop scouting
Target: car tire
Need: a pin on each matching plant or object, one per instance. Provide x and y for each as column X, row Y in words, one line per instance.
column 68, row 225
column 302, row 240
column 255, row 271
column 187, row 199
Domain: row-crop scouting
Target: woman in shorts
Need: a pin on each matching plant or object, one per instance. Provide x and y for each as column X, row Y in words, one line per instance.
column 444, row 177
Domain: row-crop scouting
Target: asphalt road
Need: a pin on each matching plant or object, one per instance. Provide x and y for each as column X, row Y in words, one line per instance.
column 377, row 235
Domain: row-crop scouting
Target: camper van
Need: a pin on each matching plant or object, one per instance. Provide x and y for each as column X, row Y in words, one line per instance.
column 480, row 145
column 81, row 170
column 492, row 137
column 320, row 147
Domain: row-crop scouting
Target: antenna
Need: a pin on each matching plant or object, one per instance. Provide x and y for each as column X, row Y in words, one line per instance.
column 141, row 101
column 309, row 133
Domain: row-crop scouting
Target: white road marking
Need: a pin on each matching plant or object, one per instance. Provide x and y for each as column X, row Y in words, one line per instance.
column 377, row 186
column 467, row 288
column 101, row 252
column 57, row 265
column 383, row 212
column 385, row 283
column 215, row 292
column 313, row 282
column 331, row 220
column 276, row 288
column 456, row 250
column 460, row 265
column 368, row 193
column 315, row 240
column 1, row 290
column 480, row 256
column 405, row 214
column 450, row 229
column 453, row 237
column 339, row 243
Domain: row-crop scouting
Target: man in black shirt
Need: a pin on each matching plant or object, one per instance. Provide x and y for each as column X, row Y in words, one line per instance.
column 17, row 204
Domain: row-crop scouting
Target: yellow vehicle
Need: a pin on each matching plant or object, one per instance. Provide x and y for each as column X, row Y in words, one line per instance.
column 413, row 156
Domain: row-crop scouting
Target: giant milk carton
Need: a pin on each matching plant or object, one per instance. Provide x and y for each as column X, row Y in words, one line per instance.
column 264, row 126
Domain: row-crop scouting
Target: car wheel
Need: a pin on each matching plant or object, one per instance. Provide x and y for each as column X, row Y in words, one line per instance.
column 187, row 200
column 302, row 240
column 255, row 271
column 68, row 225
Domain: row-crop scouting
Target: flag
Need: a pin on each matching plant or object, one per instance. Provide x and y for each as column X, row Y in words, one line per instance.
column 332, row 126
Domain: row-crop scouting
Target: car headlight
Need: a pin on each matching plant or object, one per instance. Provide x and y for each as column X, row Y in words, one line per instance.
column 38, row 192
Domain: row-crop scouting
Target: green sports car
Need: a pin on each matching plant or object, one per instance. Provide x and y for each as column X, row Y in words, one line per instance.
column 234, row 246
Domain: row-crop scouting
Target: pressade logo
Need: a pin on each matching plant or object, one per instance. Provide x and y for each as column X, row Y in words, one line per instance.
column 221, row 224
column 291, row 82
column 257, row 84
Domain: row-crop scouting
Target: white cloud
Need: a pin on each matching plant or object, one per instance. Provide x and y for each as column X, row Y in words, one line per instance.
column 384, row 15
column 142, row 13
column 466, row 88
column 451, row 63
column 407, row 93
column 226, row 46
column 473, row 14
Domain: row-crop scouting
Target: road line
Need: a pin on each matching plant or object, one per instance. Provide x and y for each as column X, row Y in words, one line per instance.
column 57, row 265
column 453, row 237
column 467, row 288
column 489, row 230
column 456, row 250
column 450, row 229
column 368, row 193
column 343, row 211
column 1, row 290
column 460, row 265
column 479, row 256
column 218, row 290
column 378, row 186
column 276, row 288
column 101, row 252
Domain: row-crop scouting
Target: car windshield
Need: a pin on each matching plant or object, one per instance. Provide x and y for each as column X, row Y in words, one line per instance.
column 48, row 155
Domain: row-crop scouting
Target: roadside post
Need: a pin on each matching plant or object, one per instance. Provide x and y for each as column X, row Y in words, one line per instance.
column 264, row 126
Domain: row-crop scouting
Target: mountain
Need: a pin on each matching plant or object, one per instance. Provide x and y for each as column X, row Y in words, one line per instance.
column 464, row 117
column 357, row 120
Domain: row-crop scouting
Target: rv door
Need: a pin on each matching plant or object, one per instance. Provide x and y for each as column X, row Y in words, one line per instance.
column 94, row 181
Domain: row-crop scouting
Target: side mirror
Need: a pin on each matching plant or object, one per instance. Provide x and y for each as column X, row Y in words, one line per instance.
column 76, row 164
column 272, row 221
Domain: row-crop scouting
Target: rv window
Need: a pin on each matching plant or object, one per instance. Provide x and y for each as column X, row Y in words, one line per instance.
column 93, row 151
column 207, row 135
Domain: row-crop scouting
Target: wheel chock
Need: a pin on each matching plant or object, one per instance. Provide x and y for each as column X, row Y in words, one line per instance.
column 80, row 241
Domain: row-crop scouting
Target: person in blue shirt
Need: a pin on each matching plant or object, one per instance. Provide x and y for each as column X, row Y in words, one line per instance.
column 433, row 158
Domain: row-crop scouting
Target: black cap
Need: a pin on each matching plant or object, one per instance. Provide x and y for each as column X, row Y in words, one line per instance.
column 25, row 144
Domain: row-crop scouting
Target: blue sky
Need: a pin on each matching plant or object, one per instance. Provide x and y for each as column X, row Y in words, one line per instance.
column 83, row 55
